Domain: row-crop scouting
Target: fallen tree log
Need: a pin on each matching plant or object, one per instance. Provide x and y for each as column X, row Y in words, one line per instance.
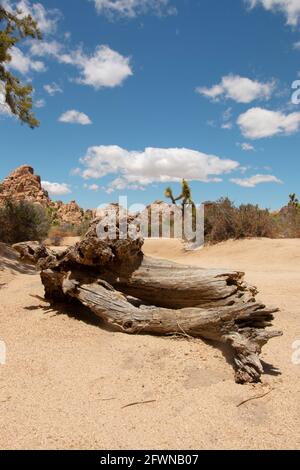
column 135, row 294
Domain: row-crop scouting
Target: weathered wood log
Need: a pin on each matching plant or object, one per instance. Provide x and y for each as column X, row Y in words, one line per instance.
column 241, row 325
column 135, row 294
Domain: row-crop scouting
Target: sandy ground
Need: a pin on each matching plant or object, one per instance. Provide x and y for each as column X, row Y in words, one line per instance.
column 67, row 379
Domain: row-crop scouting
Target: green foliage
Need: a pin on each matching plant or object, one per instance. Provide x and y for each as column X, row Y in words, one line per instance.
column 17, row 96
column 23, row 221
column 294, row 201
column 53, row 215
column 185, row 196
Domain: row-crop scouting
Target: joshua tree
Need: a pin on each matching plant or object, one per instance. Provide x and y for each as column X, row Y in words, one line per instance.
column 16, row 95
column 185, row 196
column 294, row 201
column 169, row 194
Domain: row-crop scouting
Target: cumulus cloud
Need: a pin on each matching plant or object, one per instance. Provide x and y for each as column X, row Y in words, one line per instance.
column 46, row 19
column 255, row 180
column 75, row 117
column 52, row 88
column 104, row 68
column 239, row 89
column 290, row 8
column 24, row 64
column 257, row 123
column 133, row 8
column 56, row 189
column 152, row 165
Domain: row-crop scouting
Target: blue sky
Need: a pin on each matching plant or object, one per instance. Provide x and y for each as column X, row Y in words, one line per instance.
column 133, row 95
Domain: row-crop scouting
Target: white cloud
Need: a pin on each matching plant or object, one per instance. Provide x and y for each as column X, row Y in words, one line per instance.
column 24, row 64
column 75, row 171
column 56, row 189
column 297, row 45
column 239, row 89
column 105, row 68
column 214, row 92
column 92, row 187
column 226, row 118
column 133, row 8
column 46, row 19
column 246, row 146
column 52, row 88
column 255, row 180
column 119, row 184
column 75, row 117
column 227, row 125
column 45, row 48
column 257, row 123
column 290, row 8
column 4, row 108
column 40, row 103
column 153, row 165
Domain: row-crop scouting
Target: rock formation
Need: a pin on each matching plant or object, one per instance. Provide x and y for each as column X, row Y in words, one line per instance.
column 23, row 185
column 69, row 213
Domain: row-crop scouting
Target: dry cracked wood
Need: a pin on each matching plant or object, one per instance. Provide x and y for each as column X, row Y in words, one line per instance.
column 135, row 294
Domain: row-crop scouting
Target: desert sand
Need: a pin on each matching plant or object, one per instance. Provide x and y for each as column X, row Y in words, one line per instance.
column 67, row 380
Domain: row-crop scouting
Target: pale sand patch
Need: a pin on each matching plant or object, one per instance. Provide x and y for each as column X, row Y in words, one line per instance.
column 67, row 379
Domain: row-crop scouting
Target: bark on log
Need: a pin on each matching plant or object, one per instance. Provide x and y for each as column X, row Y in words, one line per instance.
column 135, row 294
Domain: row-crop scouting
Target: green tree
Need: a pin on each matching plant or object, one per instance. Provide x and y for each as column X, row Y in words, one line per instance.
column 185, row 196
column 23, row 221
column 17, row 95
column 294, row 201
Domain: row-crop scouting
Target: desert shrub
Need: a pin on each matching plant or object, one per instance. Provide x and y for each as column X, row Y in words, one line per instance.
column 288, row 222
column 251, row 221
column 223, row 221
column 219, row 222
column 23, row 221
column 53, row 216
